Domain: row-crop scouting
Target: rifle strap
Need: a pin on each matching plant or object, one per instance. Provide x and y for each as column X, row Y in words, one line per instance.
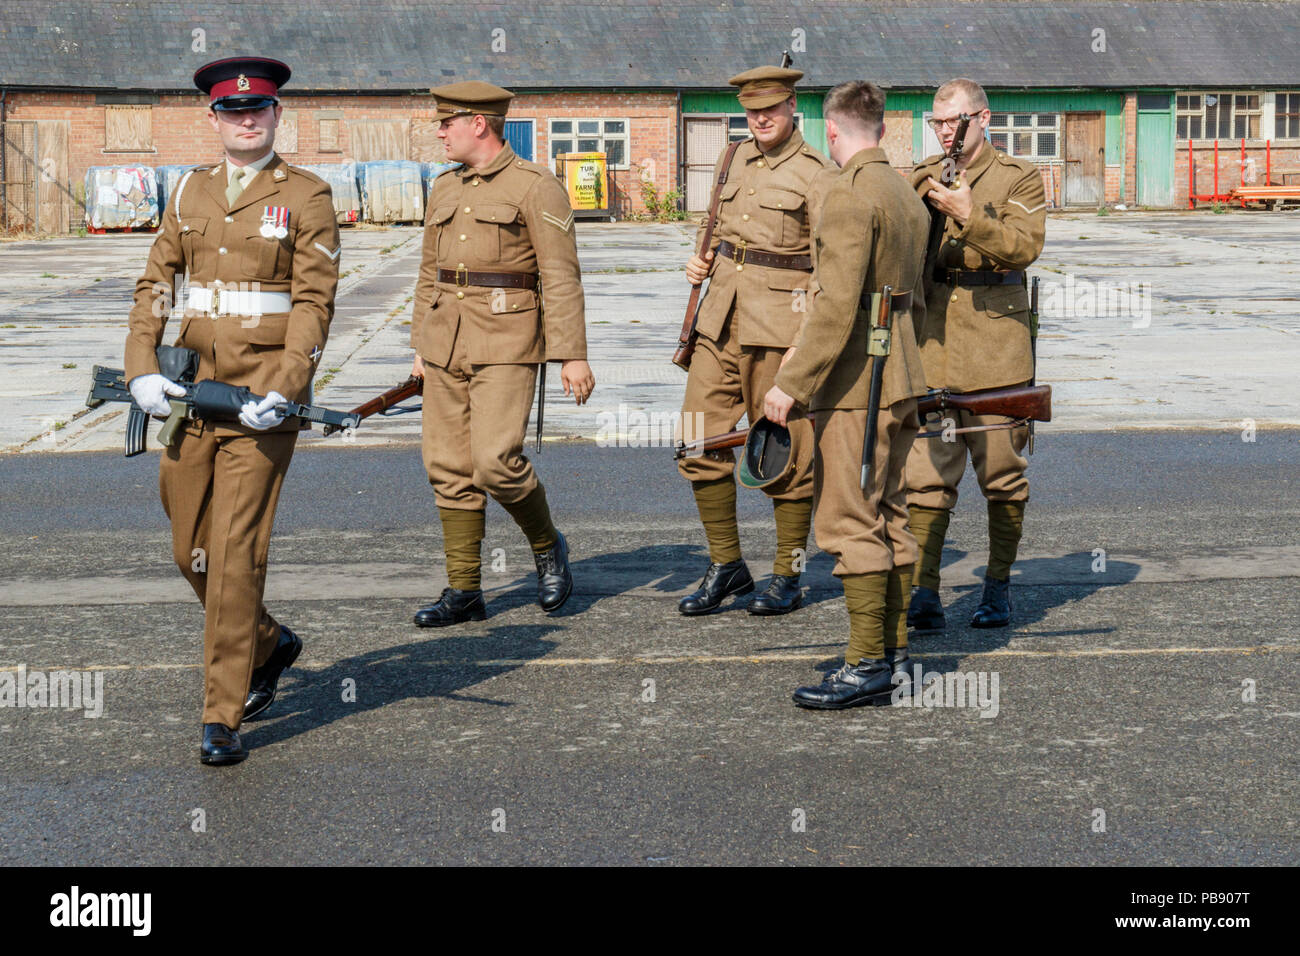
column 716, row 200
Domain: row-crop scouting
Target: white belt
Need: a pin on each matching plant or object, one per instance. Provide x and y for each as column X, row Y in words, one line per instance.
column 238, row 302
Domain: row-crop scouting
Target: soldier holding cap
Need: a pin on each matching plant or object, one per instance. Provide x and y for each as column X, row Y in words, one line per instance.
column 872, row 234
column 760, row 265
column 499, row 243
column 259, row 241
column 976, row 336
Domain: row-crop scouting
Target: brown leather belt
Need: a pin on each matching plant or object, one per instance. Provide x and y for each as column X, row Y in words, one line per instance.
column 490, row 280
column 956, row 277
column 744, row 256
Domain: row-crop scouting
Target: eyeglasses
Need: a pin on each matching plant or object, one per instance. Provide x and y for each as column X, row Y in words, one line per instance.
column 952, row 121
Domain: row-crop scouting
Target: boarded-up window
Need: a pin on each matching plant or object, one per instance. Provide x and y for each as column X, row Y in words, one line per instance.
column 378, row 139
column 329, row 133
column 286, row 137
column 128, row 127
column 425, row 145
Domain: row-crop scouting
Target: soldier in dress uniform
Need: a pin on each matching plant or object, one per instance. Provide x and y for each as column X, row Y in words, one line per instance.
column 976, row 335
column 499, row 244
column 760, row 265
column 259, row 241
column 872, row 234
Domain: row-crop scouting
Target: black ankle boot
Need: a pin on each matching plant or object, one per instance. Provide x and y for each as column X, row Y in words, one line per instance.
column 719, row 581
column 995, row 605
column 454, row 607
column 868, row 682
column 925, row 610
column 781, row 596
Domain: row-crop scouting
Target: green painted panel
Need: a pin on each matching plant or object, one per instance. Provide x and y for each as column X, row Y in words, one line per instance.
column 1155, row 159
column 809, row 104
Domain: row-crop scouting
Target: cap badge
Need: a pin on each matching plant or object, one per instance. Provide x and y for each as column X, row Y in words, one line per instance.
column 241, row 84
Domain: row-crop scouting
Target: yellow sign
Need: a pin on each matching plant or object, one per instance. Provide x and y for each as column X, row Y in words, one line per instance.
column 584, row 178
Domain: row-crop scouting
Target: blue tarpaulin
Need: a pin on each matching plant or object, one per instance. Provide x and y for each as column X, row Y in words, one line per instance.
column 342, row 178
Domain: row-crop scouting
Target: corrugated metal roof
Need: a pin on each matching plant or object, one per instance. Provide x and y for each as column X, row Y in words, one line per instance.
column 399, row 45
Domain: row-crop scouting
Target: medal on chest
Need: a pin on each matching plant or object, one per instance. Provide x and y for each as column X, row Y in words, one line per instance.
column 275, row 222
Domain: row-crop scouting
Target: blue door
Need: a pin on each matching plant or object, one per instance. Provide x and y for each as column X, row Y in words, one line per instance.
column 519, row 134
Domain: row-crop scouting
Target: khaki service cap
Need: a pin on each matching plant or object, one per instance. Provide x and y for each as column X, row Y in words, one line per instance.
column 471, row 98
column 765, row 86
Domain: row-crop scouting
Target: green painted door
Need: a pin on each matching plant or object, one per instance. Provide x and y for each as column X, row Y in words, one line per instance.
column 1155, row 158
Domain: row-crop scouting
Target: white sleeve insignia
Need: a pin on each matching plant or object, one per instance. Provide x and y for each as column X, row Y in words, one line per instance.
column 332, row 255
column 561, row 224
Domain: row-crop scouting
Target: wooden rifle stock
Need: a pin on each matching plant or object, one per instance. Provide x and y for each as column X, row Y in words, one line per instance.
column 400, row 393
column 1027, row 402
column 686, row 340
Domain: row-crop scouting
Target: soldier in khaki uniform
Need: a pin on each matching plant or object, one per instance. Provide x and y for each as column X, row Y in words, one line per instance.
column 976, row 335
column 497, row 228
column 760, row 264
column 872, row 234
column 266, row 230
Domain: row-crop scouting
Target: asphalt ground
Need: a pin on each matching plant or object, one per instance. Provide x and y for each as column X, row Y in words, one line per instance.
column 1146, row 712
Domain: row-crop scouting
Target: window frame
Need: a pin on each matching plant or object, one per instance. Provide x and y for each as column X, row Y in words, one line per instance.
column 602, row 137
column 1189, row 113
column 1034, row 129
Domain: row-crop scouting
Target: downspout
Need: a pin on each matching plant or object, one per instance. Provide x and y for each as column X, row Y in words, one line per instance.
column 4, row 165
column 681, row 160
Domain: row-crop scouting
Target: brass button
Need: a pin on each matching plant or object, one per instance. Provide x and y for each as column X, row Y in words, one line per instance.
column 745, row 217
column 779, row 206
column 222, row 250
column 230, row 219
column 460, row 265
column 460, row 295
column 185, row 228
column 515, row 306
column 473, row 182
column 759, row 163
column 953, row 242
column 954, row 297
column 751, row 192
column 467, row 208
column 462, row 237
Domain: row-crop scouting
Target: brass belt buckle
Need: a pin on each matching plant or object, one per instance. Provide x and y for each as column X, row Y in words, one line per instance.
column 459, row 283
column 740, row 256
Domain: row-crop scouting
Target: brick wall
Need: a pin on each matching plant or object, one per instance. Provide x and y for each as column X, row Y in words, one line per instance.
column 1284, row 158
column 182, row 134
column 1130, row 149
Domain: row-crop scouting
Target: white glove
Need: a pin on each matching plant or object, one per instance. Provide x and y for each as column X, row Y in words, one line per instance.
column 262, row 415
column 150, row 393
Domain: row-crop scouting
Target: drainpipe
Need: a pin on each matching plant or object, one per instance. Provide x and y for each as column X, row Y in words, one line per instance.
column 681, row 160
column 4, row 155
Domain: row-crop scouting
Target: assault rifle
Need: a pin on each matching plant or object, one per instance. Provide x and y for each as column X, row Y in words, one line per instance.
column 208, row 400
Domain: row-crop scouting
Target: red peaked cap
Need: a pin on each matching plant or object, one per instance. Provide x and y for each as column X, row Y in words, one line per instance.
column 242, row 82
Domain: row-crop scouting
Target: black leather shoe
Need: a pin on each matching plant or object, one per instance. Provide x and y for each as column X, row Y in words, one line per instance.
column 261, row 689
column 900, row 666
column 453, row 607
column 869, row 682
column 221, row 745
column 925, row 610
column 781, row 596
column 554, row 581
column 719, row 581
column 995, row 605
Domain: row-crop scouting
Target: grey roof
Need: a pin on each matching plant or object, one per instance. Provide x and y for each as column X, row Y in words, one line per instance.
column 403, row 45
